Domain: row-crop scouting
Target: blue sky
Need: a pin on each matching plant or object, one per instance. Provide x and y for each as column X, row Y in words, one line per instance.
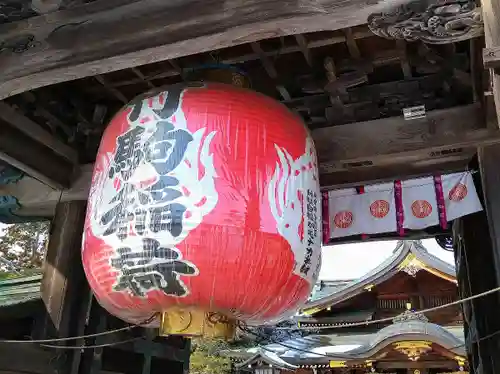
column 351, row 261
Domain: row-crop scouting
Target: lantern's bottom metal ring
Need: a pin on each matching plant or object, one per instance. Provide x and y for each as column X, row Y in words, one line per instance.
column 194, row 322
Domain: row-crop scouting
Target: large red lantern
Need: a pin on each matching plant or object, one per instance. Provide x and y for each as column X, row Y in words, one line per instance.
column 204, row 198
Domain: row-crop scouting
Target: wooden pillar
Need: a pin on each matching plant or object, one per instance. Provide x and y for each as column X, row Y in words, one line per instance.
column 65, row 291
column 490, row 180
column 491, row 54
column 478, row 248
column 63, row 278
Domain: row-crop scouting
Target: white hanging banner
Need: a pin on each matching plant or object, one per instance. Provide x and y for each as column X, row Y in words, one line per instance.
column 374, row 211
column 379, row 209
column 346, row 211
column 419, row 203
column 460, row 196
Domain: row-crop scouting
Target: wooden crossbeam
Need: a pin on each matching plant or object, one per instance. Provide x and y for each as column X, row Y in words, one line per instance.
column 376, row 174
column 358, row 142
column 28, row 147
column 19, row 121
column 109, row 35
column 386, row 148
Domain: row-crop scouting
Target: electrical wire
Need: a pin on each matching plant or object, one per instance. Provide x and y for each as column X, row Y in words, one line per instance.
column 91, row 346
column 389, row 319
column 127, row 328
column 243, row 327
column 55, row 340
column 476, row 341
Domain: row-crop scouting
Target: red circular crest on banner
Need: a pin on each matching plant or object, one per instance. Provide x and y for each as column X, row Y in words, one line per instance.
column 421, row 208
column 343, row 219
column 379, row 208
column 458, row 193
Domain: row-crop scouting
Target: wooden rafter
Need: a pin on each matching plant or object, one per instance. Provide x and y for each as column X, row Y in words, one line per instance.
column 110, row 35
column 302, row 42
column 137, row 72
column 114, row 91
column 352, row 46
column 17, row 120
column 270, row 70
column 26, row 146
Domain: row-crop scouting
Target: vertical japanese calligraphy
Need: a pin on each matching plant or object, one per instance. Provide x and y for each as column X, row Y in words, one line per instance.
column 312, row 230
column 148, row 190
column 299, row 219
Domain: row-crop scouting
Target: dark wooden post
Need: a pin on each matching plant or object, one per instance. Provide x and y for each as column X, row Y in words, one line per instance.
column 65, row 291
column 478, row 246
column 63, row 277
column 491, row 54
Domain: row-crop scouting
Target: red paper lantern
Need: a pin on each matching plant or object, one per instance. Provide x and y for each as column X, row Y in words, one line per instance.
column 204, row 197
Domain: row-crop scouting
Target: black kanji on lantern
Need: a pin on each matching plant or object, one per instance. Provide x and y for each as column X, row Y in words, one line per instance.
column 143, row 208
column 167, row 218
column 167, row 146
column 117, row 218
column 129, row 153
column 162, row 191
column 153, row 268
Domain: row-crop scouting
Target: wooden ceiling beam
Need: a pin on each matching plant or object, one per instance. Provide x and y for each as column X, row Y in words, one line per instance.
column 377, row 174
column 110, row 35
column 31, row 149
column 33, row 158
column 112, row 90
column 361, row 141
column 270, row 70
column 373, row 151
column 22, row 123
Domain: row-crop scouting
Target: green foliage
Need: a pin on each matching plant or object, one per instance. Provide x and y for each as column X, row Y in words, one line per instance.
column 22, row 247
column 206, row 358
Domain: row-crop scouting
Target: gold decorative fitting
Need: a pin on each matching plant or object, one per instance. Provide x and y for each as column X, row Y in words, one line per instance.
column 411, row 265
column 369, row 287
column 177, row 321
column 413, row 349
column 312, row 311
column 460, row 360
column 337, row 364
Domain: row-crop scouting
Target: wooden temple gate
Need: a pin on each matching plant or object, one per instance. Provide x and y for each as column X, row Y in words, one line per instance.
column 68, row 66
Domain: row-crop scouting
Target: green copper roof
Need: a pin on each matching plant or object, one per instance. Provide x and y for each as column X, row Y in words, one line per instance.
column 19, row 290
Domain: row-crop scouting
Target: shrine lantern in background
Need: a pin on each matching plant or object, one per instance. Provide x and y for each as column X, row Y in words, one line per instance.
column 204, row 209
